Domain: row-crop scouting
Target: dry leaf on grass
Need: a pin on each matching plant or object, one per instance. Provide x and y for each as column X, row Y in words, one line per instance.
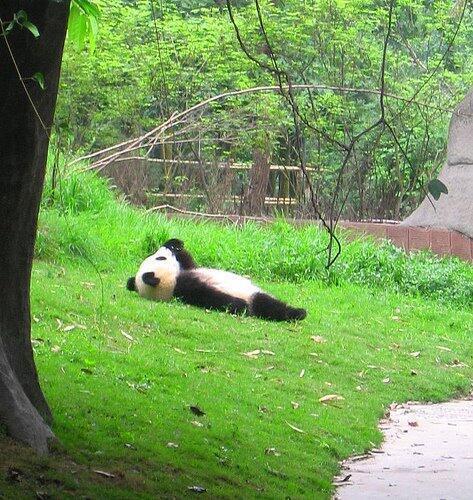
column 197, row 489
column 386, row 380
column 342, row 481
column 104, row 474
column 301, row 374
column 252, row 354
column 272, row 451
column 196, row 411
column 295, row 405
column 456, row 363
column 330, row 398
column 357, row 458
column 318, row 339
column 127, row 336
column 415, row 354
column 294, row 428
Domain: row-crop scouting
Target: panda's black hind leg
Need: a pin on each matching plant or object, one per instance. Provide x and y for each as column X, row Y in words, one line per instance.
column 267, row 307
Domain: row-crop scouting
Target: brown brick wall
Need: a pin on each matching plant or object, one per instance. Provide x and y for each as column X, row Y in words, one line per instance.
column 440, row 241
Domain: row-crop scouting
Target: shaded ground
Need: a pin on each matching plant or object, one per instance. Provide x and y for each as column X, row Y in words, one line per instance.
column 427, row 453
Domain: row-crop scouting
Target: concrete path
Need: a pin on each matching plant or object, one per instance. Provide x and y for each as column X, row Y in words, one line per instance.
column 427, row 454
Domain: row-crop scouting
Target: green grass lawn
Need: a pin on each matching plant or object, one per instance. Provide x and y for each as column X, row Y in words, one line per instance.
column 122, row 373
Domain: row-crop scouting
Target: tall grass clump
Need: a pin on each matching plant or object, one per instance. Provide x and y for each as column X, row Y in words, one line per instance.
column 76, row 192
column 381, row 264
column 85, row 219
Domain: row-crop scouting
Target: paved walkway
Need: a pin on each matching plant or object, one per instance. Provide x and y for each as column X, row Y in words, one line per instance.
column 427, row 454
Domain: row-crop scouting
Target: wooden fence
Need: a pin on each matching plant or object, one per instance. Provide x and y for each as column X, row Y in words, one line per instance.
column 220, row 185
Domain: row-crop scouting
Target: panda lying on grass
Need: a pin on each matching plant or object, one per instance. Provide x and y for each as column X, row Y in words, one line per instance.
column 171, row 272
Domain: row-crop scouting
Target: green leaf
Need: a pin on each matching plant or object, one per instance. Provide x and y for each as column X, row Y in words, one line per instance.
column 436, row 188
column 88, row 8
column 20, row 17
column 39, row 79
column 77, row 29
column 10, row 27
column 83, row 23
column 31, row 27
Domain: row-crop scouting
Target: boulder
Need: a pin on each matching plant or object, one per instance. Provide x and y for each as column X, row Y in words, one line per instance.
column 455, row 209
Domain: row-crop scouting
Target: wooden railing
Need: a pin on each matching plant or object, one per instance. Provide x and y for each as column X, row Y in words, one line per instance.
column 217, row 185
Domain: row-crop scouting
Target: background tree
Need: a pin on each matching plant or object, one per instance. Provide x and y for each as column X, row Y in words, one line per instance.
column 31, row 46
column 155, row 58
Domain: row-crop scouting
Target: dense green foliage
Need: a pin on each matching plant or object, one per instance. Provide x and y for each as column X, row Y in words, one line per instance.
column 155, row 58
column 84, row 219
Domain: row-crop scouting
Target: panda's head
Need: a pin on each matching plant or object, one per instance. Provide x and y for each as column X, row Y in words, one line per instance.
column 157, row 274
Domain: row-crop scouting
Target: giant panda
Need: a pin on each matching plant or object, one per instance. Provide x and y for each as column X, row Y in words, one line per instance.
column 172, row 272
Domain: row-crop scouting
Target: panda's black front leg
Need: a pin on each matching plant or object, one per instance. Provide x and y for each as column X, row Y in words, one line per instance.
column 131, row 284
column 150, row 279
column 192, row 290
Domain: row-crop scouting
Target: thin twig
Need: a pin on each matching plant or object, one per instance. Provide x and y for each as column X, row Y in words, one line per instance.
column 267, row 88
column 17, row 69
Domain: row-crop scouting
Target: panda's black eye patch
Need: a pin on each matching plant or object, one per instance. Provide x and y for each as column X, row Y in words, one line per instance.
column 161, row 258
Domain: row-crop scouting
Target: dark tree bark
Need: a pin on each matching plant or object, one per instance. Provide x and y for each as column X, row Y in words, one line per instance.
column 24, row 144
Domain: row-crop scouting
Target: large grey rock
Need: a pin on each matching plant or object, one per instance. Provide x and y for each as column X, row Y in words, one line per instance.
column 454, row 210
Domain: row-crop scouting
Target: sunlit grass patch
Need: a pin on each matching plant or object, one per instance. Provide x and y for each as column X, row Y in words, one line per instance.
column 121, row 374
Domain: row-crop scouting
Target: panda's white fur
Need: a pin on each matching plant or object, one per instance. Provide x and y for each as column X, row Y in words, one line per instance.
column 164, row 265
column 227, row 282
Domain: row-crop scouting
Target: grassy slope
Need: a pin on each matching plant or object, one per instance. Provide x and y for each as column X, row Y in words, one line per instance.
column 118, row 401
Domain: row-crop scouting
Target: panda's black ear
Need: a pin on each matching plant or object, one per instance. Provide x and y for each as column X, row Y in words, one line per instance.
column 131, row 285
column 174, row 245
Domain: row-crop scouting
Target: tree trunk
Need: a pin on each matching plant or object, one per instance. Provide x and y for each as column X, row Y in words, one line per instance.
column 258, row 185
column 24, row 140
